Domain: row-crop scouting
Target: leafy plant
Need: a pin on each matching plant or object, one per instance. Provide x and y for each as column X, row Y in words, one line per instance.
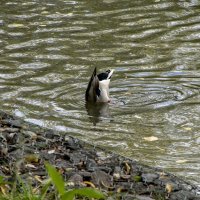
column 9, row 191
column 59, row 183
column 22, row 190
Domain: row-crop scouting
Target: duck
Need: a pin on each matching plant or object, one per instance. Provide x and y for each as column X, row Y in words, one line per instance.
column 98, row 87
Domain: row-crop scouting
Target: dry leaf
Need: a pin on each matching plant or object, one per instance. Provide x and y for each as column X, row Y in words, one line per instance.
column 15, row 25
column 32, row 158
column 88, row 183
column 128, row 168
column 150, row 139
column 38, row 178
column 51, row 151
column 181, row 161
column 169, row 187
column 30, row 166
column 187, row 128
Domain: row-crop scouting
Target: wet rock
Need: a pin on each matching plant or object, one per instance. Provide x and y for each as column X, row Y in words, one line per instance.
column 76, row 179
column 185, row 195
column 91, row 165
column 171, row 187
column 142, row 197
column 3, row 146
column 13, row 123
column 77, row 158
column 87, row 176
column 9, row 130
column 71, row 143
column 30, row 134
column 117, row 169
column 12, row 138
column 149, row 178
column 101, row 178
column 49, row 134
column 47, row 156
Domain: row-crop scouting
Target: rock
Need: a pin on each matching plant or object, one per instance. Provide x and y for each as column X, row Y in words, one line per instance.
column 149, row 178
column 30, row 134
column 49, row 134
column 100, row 178
column 12, row 138
column 9, row 130
column 76, row 179
column 185, row 195
column 91, row 165
column 77, row 158
column 3, row 146
column 12, row 123
column 71, row 143
column 142, row 197
column 86, row 175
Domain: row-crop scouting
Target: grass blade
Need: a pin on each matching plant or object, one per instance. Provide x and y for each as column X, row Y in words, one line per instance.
column 45, row 189
column 56, row 178
column 86, row 192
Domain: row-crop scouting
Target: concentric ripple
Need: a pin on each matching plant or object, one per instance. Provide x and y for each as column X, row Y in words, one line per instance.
column 49, row 50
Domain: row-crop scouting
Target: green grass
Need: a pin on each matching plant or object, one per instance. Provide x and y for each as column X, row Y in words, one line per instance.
column 20, row 190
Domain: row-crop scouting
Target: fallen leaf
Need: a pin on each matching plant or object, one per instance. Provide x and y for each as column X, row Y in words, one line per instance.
column 15, row 25
column 138, row 117
column 181, row 161
column 137, row 178
column 32, row 158
column 128, row 168
column 169, row 187
column 116, row 175
column 38, row 178
column 51, row 151
column 187, row 128
column 150, row 139
column 44, row 12
column 30, row 166
column 88, row 183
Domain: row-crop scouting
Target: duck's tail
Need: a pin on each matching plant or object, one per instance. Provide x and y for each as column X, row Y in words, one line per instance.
column 90, row 94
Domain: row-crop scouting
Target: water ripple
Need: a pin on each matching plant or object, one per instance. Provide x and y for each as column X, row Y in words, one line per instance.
column 49, row 50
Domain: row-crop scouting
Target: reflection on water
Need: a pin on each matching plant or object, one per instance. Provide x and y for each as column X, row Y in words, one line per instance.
column 49, row 50
column 97, row 111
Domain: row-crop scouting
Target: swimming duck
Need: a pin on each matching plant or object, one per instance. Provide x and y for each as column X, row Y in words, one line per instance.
column 98, row 87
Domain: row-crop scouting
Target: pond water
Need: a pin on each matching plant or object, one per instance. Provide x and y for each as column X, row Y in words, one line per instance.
column 50, row 48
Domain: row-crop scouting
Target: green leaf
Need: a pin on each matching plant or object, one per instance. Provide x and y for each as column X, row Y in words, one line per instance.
column 56, row 178
column 1, row 179
column 45, row 189
column 86, row 192
column 68, row 196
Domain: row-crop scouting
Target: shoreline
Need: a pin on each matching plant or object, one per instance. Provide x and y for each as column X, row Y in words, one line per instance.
column 25, row 147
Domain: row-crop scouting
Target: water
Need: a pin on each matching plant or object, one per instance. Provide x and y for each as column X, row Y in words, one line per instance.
column 50, row 48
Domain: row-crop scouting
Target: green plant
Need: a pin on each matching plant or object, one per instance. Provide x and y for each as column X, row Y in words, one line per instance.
column 10, row 191
column 59, row 183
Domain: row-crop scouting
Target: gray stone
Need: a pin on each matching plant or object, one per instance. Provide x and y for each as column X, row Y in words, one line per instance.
column 149, row 178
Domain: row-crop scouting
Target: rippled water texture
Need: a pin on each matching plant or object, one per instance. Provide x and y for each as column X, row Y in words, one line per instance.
column 50, row 48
